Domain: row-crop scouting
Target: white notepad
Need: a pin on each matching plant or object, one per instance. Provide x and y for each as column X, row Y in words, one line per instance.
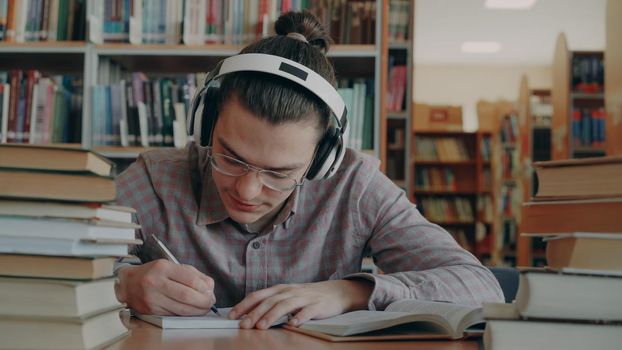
column 209, row 321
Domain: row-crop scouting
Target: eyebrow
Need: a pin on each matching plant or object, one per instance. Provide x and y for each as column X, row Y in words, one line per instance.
column 277, row 169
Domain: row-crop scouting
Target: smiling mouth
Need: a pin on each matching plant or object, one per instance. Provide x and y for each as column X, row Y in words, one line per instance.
column 244, row 205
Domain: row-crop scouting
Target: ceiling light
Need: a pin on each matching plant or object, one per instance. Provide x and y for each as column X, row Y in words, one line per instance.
column 510, row 4
column 481, row 47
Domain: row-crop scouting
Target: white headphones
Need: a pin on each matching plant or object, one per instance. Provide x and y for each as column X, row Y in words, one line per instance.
column 202, row 113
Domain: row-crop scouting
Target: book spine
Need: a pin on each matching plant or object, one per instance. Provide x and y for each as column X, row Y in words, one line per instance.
column 3, row 18
column 157, row 112
column 167, row 112
column 132, row 116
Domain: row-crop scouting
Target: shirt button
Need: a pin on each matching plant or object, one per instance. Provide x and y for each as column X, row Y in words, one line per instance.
column 256, row 245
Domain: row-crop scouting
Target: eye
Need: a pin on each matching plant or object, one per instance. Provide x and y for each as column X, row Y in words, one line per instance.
column 231, row 161
column 277, row 176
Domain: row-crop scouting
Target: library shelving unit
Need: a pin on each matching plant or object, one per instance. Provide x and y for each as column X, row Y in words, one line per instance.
column 397, row 50
column 579, row 120
column 56, row 59
column 613, row 77
column 368, row 61
column 534, row 112
column 508, row 181
column 452, row 186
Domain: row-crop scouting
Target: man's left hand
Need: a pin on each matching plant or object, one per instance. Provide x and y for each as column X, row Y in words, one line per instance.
column 261, row 309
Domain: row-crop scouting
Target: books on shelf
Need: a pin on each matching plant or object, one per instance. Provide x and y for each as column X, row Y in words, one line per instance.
column 582, row 215
column 579, row 178
column 399, row 11
column 36, row 20
column 485, row 208
column 509, row 129
column 357, row 95
column 589, row 127
column 396, row 93
column 40, row 109
column 134, row 110
column 588, row 73
column 435, row 179
column 447, row 210
column 402, row 319
column 196, row 22
column 441, row 148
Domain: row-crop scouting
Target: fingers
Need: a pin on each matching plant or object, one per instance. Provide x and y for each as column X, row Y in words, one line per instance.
column 189, row 296
column 283, row 308
column 305, row 314
column 252, row 300
column 191, row 277
column 256, row 318
column 164, row 288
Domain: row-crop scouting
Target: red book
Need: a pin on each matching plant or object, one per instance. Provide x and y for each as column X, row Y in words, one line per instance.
column 15, row 79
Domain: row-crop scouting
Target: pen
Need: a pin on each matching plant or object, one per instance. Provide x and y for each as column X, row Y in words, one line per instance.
column 170, row 257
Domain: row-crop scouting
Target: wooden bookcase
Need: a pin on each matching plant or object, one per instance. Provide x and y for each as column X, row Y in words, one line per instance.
column 613, row 77
column 397, row 83
column 453, row 186
column 580, row 124
column 85, row 59
column 535, row 112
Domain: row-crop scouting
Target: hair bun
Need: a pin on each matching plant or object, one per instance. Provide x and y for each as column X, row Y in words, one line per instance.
column 306, row 24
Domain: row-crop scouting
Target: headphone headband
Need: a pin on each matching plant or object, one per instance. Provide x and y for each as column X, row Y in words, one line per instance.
column 290, row 70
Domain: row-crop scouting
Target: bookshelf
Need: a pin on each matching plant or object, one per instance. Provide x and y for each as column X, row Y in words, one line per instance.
column 613, row 77
column 508, row 180
column 397, row 52
column 361, row 57
column 579, row 120
column 535, row 112
column 541, row 112
column 453, row 186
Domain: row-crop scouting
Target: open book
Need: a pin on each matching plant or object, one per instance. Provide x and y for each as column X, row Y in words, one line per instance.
column 211, row 320
column 403, row 319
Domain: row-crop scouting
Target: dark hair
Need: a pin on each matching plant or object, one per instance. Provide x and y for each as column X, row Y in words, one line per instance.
column 278, row 100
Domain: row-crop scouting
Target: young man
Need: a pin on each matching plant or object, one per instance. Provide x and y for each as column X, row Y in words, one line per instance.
column 251, row 232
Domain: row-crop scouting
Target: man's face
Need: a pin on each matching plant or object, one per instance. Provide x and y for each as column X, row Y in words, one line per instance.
column 286, row 148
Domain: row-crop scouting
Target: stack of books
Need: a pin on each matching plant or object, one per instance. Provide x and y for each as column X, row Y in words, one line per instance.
column 58, row 241
column 576, row 301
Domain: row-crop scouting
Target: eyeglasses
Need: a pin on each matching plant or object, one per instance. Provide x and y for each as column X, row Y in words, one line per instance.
column 234, row 167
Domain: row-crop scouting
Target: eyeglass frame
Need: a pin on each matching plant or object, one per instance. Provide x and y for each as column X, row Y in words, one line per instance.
column 249, row 167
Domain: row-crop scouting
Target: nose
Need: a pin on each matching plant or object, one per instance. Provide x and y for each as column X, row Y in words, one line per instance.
column 248, row 186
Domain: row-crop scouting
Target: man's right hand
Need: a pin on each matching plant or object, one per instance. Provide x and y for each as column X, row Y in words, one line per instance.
column 161, row 287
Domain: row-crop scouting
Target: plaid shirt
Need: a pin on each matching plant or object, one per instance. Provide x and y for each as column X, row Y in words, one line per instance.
column 323, row 232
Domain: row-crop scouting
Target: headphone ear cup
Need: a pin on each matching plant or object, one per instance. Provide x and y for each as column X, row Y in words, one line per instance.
column 208, row 117
column 325, row 155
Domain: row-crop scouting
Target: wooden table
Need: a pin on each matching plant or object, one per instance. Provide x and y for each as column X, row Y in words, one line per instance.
column 146, row 336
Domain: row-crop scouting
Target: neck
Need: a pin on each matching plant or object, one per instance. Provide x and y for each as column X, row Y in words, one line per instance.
column 260, row 225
